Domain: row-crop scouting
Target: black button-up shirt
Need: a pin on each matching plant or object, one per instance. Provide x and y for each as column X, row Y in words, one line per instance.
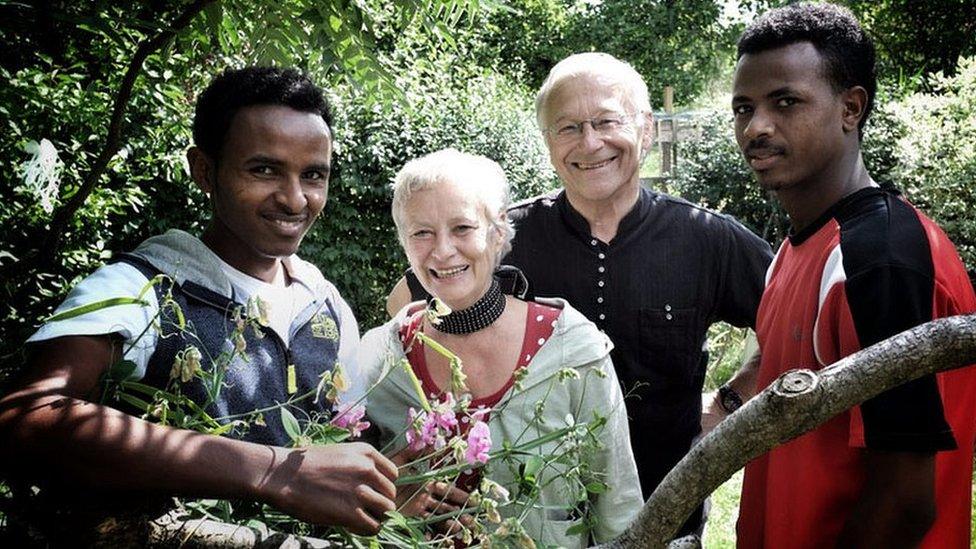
column 672, row 270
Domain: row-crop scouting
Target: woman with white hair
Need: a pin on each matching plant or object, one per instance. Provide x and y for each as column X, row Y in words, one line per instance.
column 525, row 369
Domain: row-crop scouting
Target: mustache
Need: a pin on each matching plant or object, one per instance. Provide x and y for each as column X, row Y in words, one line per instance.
column 762, row 147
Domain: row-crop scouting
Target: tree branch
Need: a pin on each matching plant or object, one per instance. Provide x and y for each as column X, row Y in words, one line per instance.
column 797, row 402
column 113, row 140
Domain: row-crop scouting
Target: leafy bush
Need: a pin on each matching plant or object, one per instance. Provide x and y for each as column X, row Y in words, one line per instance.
column 679, row 44
column 65, row 98
column 355, row 243
column 931, row 152
column 924, row 144
column 710, row 171
column 143, row 190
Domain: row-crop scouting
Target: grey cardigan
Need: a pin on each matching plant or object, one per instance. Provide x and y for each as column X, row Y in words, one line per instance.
column 575, row 344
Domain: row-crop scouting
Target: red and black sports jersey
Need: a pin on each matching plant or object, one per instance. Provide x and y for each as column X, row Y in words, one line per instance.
column 870, row 267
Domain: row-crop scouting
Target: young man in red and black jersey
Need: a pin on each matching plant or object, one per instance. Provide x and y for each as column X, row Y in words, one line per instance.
column 860, row 265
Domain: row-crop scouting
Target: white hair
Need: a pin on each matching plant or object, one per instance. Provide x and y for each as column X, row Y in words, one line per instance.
column 473, row 173
column 594, row 64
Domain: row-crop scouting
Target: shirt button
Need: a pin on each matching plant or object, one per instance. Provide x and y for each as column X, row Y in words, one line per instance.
column 603, row 316
column 599, row 300
column 600, row 283
column 667, row 307
column 601, row 269
column 602, row 255
column 668, row 316
column 593, row 242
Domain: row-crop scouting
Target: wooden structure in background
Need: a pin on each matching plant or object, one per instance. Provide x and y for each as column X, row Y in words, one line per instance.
column 667, row 133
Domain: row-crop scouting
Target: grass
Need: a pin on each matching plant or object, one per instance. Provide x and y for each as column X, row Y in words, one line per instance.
column 720, row 528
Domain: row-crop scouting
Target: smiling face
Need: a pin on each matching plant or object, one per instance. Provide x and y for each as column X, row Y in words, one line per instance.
column 268, row 186
column 594, row 168
column 790, row 123
column 450, row 244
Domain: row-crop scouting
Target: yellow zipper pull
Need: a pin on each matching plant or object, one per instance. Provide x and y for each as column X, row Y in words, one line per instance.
column 292, row 380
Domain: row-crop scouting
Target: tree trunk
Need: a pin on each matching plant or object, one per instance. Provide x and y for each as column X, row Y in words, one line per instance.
column 797, row 402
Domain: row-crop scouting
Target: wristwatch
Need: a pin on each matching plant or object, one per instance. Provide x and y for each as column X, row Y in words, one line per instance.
column 729, row 399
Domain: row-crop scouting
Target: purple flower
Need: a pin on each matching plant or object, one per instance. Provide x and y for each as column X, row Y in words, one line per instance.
column 414, row 439
column 351, row 418
column 421, row 430
column 479, row 444
column 480, row 413
column 444, row 415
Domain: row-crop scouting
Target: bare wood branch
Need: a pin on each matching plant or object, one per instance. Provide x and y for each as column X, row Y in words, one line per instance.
column 797, row 402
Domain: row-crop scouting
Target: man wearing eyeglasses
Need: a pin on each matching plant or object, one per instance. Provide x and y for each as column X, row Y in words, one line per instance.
column 650, row 270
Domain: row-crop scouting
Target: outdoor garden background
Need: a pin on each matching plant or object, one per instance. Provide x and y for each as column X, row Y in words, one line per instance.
column 96, row 100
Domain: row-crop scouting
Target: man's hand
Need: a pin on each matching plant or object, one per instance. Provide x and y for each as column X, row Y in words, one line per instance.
column 712, row 412
column 349, row 484
column 743, row 382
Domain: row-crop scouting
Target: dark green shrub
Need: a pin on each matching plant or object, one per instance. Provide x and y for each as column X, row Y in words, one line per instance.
column 144, row 190
column 711, row 171
column 927, row 144
column 355, row 242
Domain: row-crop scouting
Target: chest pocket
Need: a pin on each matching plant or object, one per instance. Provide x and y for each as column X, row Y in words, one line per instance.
column 669, row 348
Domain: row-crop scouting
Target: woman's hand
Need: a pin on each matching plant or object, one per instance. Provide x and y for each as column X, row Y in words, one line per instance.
column 430, row 499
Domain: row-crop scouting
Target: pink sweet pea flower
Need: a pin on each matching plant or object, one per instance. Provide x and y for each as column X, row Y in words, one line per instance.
column 415, row 439
column 480, row 413
column 422, row 430
column 444, row 415
column 351, row 418
column 479, row 444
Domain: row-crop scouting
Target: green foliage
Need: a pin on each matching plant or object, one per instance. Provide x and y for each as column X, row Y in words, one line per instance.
column 711, row 172
column 917, row 38
column 66, row 105
column 681, row 44
column 528, row 38
column 720, row 528
column 926, row 145
column 727, row 350
column 62, row 68
column 913, row 38
column 473, row 110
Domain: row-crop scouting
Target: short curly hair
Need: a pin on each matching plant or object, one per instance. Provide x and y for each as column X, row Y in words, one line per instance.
column 477, row 175
column 848, row 52
column 235, row 89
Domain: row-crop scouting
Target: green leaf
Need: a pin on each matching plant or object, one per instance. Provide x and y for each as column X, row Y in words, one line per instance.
column 532, row 467
column 150, row 283
column 225, row 428
column 97, row 306
column 291, row 425
column 596, row 488
column 121, row 370
column 578, row 529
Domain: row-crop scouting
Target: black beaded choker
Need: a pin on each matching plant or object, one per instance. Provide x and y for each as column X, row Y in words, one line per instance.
column 476, row 317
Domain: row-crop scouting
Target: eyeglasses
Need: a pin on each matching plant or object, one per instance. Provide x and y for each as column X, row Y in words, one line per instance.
column 604, row 126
